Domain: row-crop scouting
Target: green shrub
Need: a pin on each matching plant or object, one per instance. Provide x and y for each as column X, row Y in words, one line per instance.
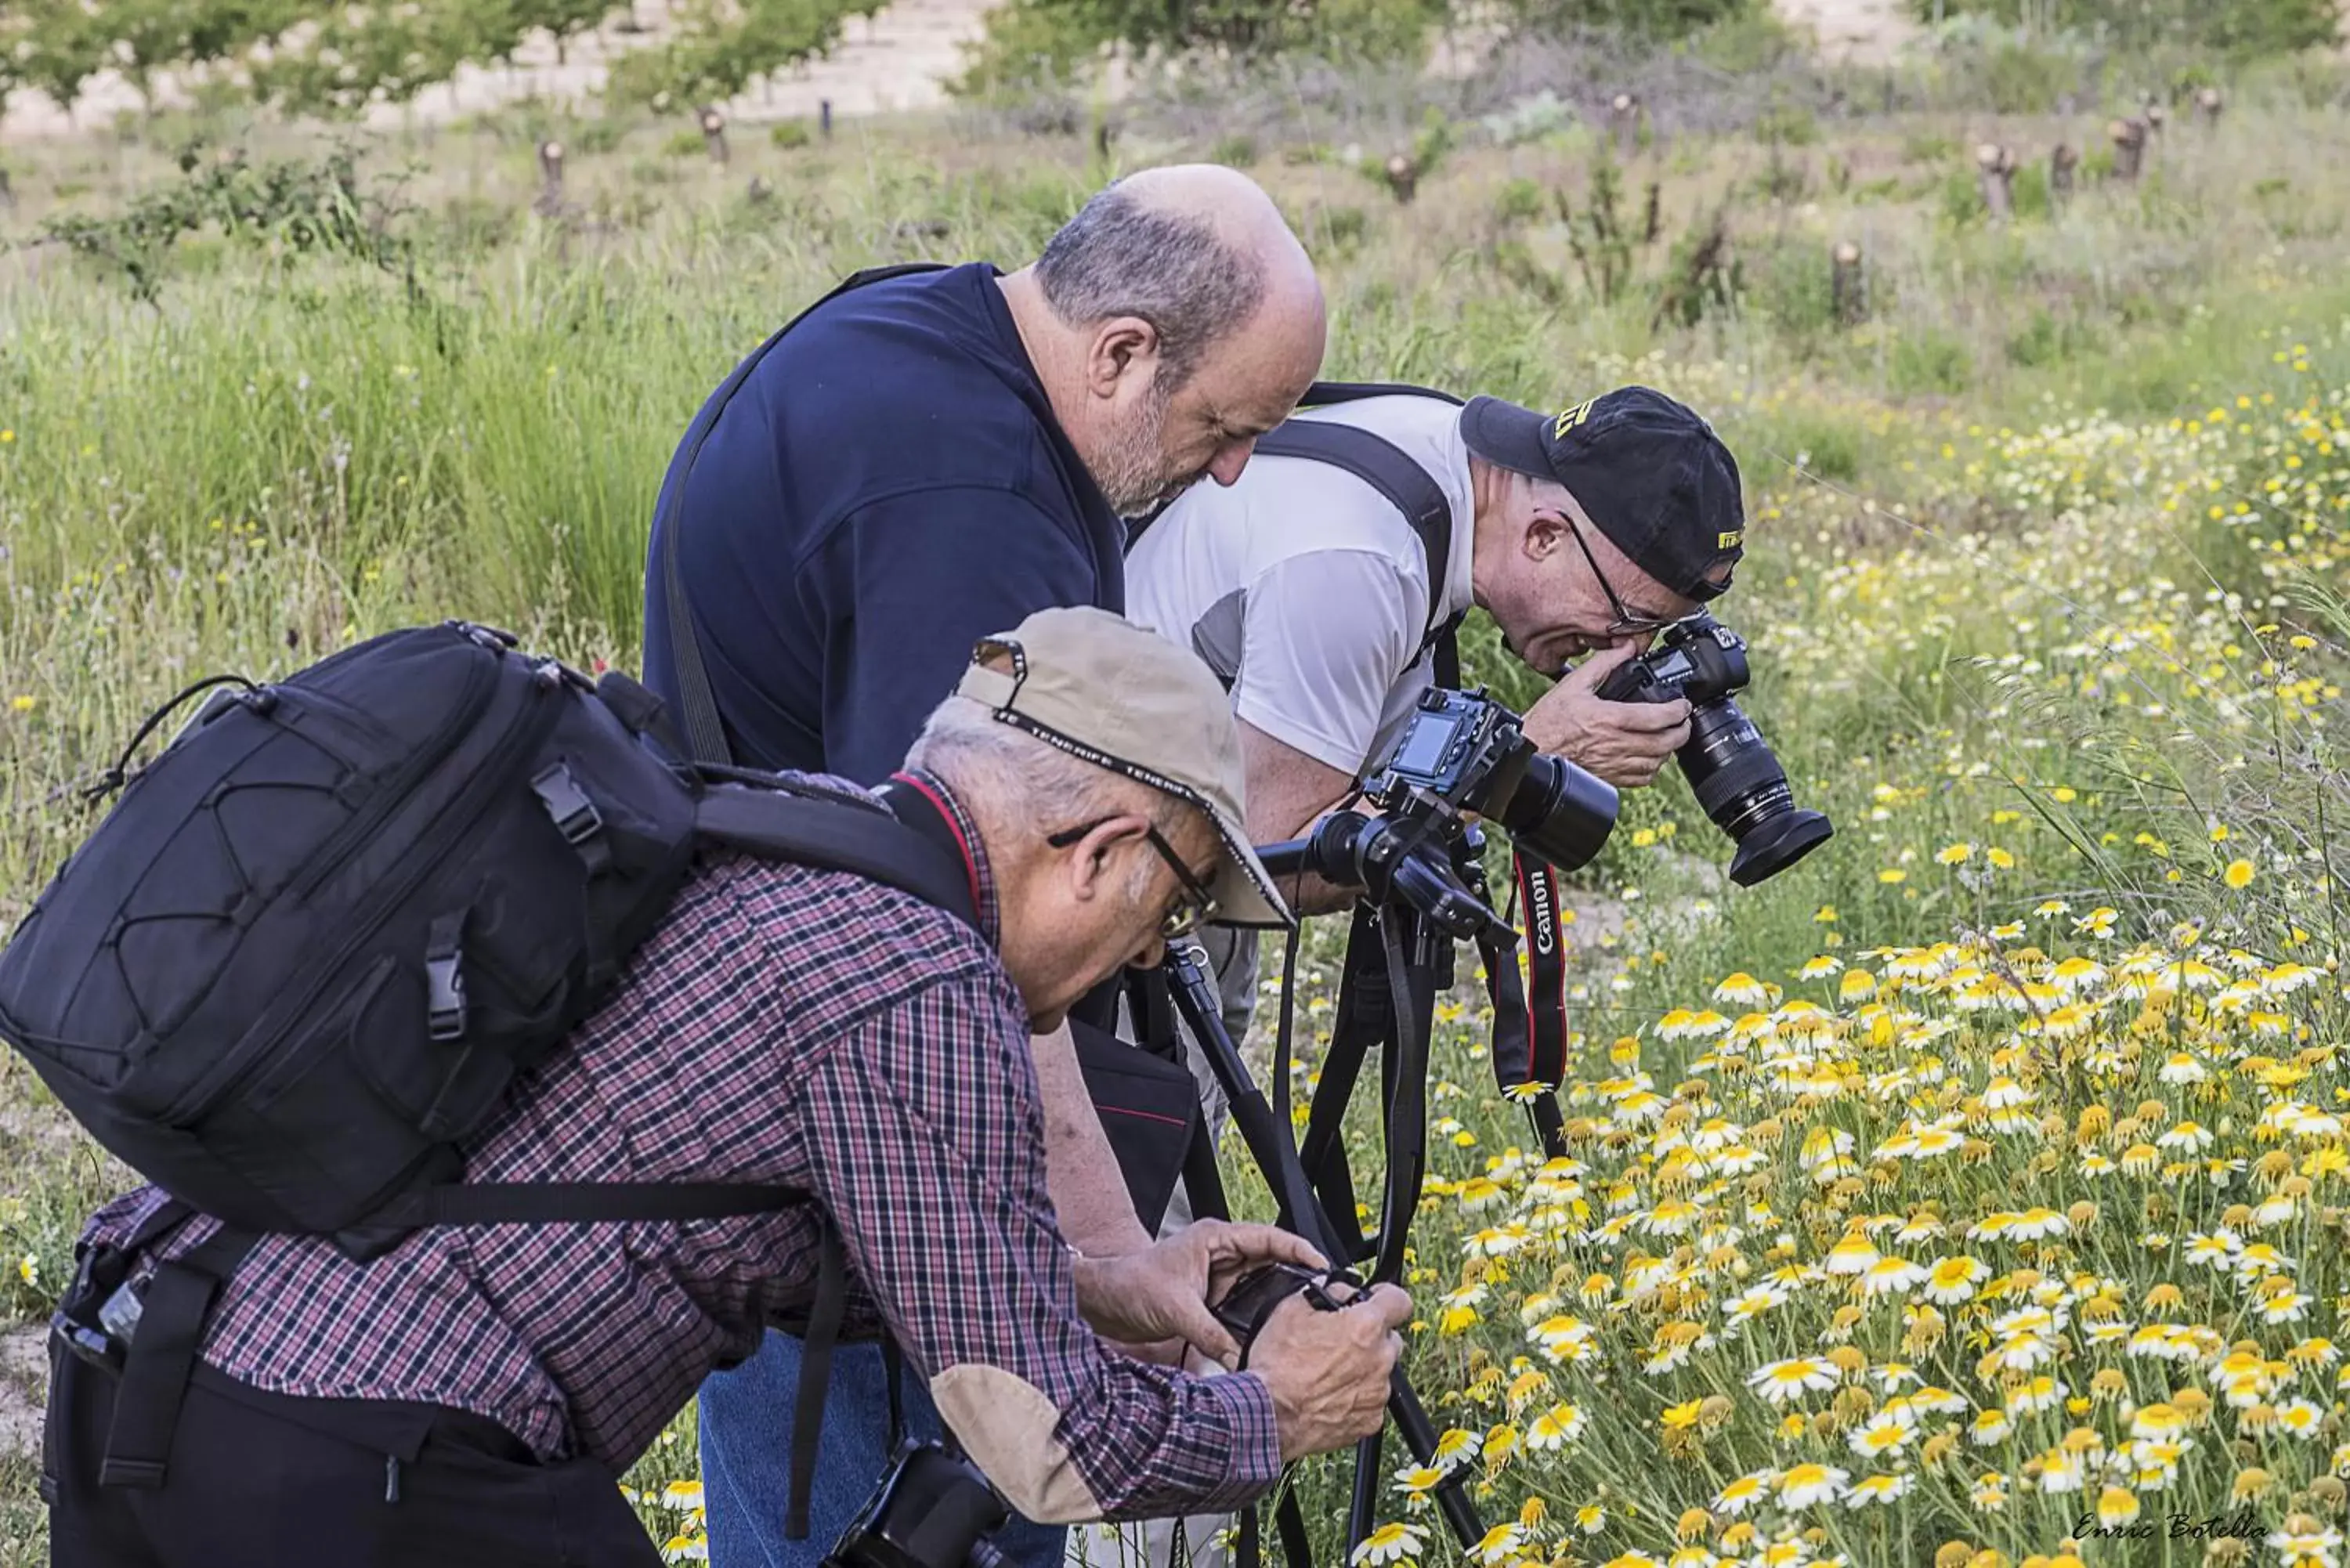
column 1654, row 20
column 1959, row 196
column 1234, row 151
column 1521, row 201
column 1927, row 148
column 1816, row 440
column 1790, row 123
column 2242, row 28
column 1748, row 40
column 1925, row 359
column 1031, row 43
column 2020, row 79
column 686, row 143
column 2047, row 340
column 789, row 133
column 1794, row 284
column 2030, row 189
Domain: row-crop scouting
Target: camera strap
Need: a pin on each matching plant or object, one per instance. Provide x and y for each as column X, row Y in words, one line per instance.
column 1529, row 1020
column 816, row 1375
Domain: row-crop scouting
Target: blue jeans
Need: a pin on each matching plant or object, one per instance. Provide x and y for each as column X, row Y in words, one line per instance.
column 746, row 1453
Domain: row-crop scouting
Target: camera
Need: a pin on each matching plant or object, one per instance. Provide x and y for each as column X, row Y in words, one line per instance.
column 1471, row 754
column 1461, row 755
column 1737, row 779
column 1251, row 1301
column 933, row 1510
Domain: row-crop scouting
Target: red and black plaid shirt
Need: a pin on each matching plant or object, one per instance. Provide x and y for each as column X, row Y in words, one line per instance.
column 785, row 1025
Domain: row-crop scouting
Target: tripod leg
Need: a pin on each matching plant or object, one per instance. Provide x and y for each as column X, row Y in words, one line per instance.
column 1195, row 999
column 1363, row 1506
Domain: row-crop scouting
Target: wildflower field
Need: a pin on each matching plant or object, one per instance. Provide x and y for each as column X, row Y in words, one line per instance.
column 1974, row 1193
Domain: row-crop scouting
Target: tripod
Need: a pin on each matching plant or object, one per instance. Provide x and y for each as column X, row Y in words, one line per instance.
column 1267, row 1137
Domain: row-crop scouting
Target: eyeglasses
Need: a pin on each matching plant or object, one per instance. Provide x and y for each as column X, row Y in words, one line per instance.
column 1197, row 905
column 1626, row 623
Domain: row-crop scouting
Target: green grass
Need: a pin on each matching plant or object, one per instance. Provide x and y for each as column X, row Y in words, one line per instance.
column 285, row 452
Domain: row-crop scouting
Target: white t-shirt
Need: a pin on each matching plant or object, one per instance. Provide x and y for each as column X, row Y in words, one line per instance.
column 1306, row 589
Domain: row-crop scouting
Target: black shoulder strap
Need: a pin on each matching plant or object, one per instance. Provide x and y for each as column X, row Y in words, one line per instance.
column 837, row 836
column 705, row 731
column 1408, row 487
column 1322, row 394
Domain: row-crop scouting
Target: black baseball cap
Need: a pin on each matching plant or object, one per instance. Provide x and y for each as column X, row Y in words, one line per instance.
column 1647, row 470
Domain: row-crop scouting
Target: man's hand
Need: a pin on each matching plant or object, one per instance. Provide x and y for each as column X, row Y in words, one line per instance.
column 1148, row 1298
column 1622, row 743
column 1328, row 1371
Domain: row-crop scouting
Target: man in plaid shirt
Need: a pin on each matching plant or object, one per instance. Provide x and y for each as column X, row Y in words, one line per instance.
column 470, row 1397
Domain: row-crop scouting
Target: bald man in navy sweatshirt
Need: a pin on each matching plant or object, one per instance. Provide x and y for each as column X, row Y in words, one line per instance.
column 918, row 462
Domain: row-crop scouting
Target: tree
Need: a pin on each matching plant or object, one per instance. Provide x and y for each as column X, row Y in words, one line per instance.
column 63, row 46
column 721, row 47
column 386, row 54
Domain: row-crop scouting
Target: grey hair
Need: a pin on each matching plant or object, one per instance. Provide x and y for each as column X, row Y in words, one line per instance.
column 1006, row 772
column 1120, row 256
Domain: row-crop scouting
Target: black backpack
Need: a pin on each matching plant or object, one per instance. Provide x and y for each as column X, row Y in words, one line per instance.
column 309, row 950
column 313, row 944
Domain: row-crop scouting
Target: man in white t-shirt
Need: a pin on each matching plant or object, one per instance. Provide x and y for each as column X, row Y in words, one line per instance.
column 1581, row 533
column 1306, row 589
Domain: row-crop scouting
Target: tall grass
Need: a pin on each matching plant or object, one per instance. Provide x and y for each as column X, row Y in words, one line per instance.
column 2047, row 560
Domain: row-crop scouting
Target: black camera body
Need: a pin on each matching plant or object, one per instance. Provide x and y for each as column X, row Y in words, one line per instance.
column 933, row 1510
column 1731, row 768
column 1471, row 754
column 1462, row 757
column 1253, row 1296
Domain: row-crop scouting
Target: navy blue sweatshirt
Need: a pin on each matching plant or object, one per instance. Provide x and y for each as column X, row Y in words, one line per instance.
column 883, row 489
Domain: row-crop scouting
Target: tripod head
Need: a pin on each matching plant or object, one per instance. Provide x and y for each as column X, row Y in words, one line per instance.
column 1430, row 864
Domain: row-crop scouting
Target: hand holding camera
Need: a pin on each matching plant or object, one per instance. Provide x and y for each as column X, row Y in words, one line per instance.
column 1161, row 1294
column 1626, row 743
column 1326, row 1350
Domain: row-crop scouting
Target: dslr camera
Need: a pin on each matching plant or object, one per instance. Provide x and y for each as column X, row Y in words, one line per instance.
column 933, row 1510
column 1731, row 769
column 1253, row 1296
column 1461, row 757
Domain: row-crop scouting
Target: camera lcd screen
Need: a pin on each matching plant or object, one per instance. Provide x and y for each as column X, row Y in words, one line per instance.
column 1423, row 744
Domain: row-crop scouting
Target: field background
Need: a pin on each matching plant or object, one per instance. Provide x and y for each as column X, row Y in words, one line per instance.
column 1982, row 1173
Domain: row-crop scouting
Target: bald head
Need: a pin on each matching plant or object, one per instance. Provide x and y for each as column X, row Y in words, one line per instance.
column 1171, row 322
column 1197, row 250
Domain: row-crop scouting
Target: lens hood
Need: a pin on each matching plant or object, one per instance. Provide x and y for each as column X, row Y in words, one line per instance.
column 1776, row 842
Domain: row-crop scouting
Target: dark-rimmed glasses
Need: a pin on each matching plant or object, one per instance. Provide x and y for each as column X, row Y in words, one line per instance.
column 1198, row 906
column 1626, row 623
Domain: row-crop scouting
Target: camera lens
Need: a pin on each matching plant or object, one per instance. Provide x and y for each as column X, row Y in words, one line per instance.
column 1559, row 813
column 1740, row 785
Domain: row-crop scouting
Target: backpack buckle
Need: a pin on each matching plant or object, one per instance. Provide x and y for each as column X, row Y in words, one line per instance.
column 575, row 816
column 444, row 979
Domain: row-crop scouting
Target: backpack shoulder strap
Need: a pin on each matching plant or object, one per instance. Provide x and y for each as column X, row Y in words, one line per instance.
column 1406, row 486
column 705, row 732
column 836, row 835
column 1323, row 394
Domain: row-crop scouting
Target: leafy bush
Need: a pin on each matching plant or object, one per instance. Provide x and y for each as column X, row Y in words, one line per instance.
column 2243, row 29
column 1927, row 360
column 1520, row 200
column 1656, row 21
column 1030, row 44
column 292, row 206
column 1790, row 123
column 1234, row 151
column 2046, row 340
column 2020, row 79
